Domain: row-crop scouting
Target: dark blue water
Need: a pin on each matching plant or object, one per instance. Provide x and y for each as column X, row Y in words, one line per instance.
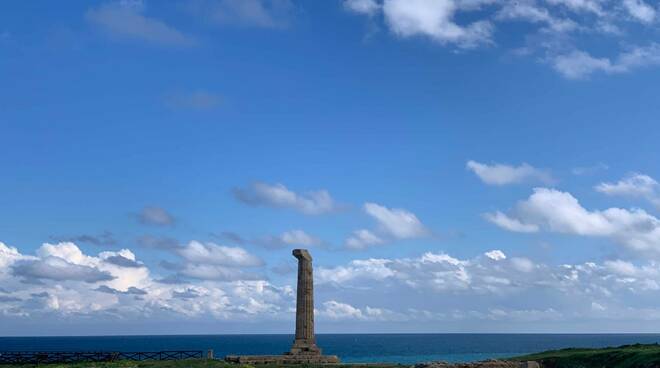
column 401, row 348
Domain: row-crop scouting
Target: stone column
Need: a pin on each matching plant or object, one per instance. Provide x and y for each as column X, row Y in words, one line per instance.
column 305, row 342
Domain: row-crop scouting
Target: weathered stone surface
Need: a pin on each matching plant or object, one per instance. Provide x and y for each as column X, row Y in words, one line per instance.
column 283, row 359
column 304, row 349
column 484, row 364
column 305, row 342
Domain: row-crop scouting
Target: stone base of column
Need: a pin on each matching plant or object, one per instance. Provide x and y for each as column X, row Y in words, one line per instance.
column 283, row 359
column 304, row 347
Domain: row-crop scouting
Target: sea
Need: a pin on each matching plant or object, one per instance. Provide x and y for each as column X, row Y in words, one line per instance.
column 353, row 348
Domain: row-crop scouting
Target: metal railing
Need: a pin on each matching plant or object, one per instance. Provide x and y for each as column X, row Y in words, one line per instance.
column 45, row 357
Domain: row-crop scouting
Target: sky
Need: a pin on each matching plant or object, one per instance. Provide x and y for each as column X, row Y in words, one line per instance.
column 451, row 165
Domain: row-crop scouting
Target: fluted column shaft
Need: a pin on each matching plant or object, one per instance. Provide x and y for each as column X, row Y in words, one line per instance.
column 305, row 341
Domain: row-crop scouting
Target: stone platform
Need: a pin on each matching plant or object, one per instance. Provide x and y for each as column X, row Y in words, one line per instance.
column 283, row 359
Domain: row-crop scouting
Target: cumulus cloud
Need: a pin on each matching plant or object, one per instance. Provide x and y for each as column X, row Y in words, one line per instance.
column 152, row 215
column 634, row 185
column 501, row 174
column 434, row 19
column 579, row 64
column 435, row 273
column 531, row 12
column 512, row 224
column 556, row 28
column 640, row 10
column 55, row 268
column 492, row 287
column 335, row 310
column 432, row 286
column 290, row 238
column 279, row 196
column 557, row 211
column 117, row 286
column 495, row 255
column 210, row 261
column 368, row 7
column 220, row 255
column 397, row 222
column 591, row 6
column 123, row 261
column 362, row 239
column 132, row 290
column 126, row 20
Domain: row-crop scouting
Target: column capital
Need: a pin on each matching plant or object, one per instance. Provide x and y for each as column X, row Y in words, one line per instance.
column 302, row 254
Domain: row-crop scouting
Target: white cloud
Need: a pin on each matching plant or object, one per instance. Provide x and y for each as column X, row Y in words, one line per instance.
column 55, row 268
column 534, row 291
column 368, row 7
column 434, row 19
column 501, row 174
column 522, row 264
column 593, row 6
column 634, row 185
column 397, row 222
column 299, row 237
column 213, row 254
column 495, row 255
column 277, row 195
column 640, row 10
column 124, row 19
column 337, row 310
column 8, row 255
column 374, row 269
column 560, row 212
column 531, row 12
column 556, row 28
column 502, row 220
column 63, row 280
column 295, row 237
column 433, row 286
column 362, row 239
column 579, row 64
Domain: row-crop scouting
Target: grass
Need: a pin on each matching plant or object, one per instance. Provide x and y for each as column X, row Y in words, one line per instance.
column 626, row 356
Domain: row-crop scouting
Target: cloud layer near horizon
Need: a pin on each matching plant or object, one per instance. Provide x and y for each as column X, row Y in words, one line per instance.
column 61, row 280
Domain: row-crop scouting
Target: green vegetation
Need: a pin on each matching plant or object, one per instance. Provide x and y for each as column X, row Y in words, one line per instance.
column 627, row 356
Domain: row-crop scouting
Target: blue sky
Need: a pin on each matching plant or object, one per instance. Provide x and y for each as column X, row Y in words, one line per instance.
column 452, row 165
